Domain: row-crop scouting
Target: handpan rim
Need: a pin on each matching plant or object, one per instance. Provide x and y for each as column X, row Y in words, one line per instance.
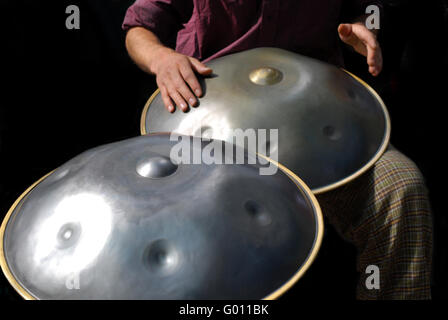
column 3, row 263
column 332, row 186
column 272, row 296
column 320, row 231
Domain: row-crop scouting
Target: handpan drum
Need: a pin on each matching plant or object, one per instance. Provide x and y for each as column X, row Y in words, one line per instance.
column 331, row 125
column 123, row 221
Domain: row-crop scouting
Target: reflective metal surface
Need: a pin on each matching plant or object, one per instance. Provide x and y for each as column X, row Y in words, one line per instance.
column 332, row 126
column 122, row 221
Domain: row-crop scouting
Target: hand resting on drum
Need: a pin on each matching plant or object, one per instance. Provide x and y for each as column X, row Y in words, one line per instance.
column 175, row 72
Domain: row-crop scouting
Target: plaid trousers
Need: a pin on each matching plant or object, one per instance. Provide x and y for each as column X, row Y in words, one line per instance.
column 386, row 214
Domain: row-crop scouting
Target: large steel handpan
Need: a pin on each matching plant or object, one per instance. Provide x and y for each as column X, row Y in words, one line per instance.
column 122, row 221
column 332, row 126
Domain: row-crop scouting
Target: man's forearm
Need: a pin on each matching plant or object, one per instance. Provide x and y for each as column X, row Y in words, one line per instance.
column 143, row 47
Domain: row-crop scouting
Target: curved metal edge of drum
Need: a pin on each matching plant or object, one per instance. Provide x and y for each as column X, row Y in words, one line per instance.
column 332, row 186
column 3, row 263
column 145, row 112
column 275, row 295
column 381, row 149
column 319, row 232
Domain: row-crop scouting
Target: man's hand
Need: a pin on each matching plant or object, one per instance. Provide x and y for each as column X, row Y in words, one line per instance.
column 175, row 72
column 364, row 42
column 175, row 76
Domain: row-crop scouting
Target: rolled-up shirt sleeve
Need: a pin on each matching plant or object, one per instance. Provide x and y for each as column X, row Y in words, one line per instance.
column 163, row 17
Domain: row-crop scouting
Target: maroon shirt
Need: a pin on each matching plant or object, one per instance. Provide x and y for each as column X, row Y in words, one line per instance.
column 207, row 29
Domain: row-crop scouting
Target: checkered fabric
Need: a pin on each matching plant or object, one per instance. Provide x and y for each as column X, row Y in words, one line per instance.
column 386, row 214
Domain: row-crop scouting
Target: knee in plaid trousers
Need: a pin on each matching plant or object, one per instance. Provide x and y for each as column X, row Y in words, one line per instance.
column 386, row 214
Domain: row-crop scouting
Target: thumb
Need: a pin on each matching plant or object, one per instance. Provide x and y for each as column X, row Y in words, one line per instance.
column 345, row 31
column 199, row 67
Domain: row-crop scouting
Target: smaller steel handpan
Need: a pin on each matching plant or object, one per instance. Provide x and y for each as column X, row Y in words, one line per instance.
column 331, row 125
column 125, row 221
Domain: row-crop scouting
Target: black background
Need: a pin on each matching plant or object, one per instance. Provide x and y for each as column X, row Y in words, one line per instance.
column 65, row 91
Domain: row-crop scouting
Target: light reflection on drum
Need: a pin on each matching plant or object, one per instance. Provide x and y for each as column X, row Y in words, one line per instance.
column 122, row 221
